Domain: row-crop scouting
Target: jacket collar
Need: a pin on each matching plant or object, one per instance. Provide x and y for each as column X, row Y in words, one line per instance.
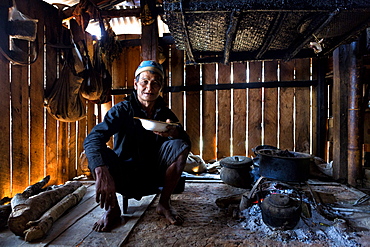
column 159, row 103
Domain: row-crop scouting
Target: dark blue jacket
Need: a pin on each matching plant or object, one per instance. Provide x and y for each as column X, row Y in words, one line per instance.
column 131, row 140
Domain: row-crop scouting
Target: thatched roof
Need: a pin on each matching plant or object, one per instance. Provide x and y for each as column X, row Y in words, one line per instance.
column 236, row 30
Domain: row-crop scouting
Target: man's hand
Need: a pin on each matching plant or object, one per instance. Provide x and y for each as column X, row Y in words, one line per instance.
column 105, row 188
column 171, row 131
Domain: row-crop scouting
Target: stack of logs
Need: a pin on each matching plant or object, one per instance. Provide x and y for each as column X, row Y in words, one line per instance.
column 31, row 214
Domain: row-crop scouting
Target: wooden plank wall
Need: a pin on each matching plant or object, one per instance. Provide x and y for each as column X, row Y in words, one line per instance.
column 233, row 122
column 34, row 144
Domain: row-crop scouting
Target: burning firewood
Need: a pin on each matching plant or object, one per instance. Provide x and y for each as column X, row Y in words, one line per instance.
column 35, row 206
column 225, row 202
column 40, row 227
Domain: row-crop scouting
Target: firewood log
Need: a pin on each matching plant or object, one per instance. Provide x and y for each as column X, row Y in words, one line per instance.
column 225, row 202
column 19, row 198
column 39, row 228
column 36, row 205
column 31, row 190
column 5, row 211
column 5, row 200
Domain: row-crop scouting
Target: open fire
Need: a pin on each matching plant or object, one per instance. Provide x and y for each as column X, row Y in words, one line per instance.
column 299, row 220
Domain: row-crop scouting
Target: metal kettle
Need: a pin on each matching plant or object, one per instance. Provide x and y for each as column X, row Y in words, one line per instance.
column 281, row 211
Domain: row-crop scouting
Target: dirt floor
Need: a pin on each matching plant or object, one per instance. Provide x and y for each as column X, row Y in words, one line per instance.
column 208, row 225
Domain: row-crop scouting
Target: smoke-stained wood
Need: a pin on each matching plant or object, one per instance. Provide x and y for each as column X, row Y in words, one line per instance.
column 271, row 107
column 209, row 114
column 286, row 107
column 177, row 79
column 5, row 165
column 254, row 108
column 224, row 113
column 51, row 70
column 193, row 107
column 239, row 110
column 36, row 104
column 20, row 131
column 302, row 112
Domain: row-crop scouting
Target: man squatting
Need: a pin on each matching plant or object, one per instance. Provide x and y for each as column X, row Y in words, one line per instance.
column 141, row 161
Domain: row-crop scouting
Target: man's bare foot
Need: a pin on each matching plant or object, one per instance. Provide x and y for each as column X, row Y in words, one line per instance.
column 170, row 214
column 109, row 220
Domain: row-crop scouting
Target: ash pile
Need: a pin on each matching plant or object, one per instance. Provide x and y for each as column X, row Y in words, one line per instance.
column 279, row 213
column 284, row 203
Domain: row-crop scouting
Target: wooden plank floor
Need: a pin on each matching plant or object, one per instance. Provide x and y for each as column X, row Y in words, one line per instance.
column 75, row 227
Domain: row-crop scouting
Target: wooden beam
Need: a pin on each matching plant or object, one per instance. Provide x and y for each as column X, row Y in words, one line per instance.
column 271, row 34
column 230, row 34
column 227, row 86
column 188, row 47
column 217, row 57
column 149, row 33
column 322, row 113
column 321, row 22
column 340, row 112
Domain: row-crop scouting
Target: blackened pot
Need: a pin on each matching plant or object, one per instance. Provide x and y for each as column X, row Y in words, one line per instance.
column 235, row 171
column 280, row 211
column 284, row 165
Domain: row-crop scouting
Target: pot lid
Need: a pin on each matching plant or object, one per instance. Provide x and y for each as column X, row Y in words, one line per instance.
column 236, row 162
column 279, row 200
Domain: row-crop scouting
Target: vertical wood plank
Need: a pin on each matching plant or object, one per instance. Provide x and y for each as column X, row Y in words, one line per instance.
column 286, row 140
column 20, row 133
column 209, row 114
column 62, row 152
column 5, row 186
column 119, row 75
column 303, row 118
column 177, row 79
column 319, row 111
column 165, row 50
column 51, row 67
column 224, row 113
column 239, row 110
column 37, row 166
column 341, row 78
column 72, row 151
column 254, row 108
column 133, row 60
column 91, row 117
column 81, row 134
column 193, row 107
column 271, row 105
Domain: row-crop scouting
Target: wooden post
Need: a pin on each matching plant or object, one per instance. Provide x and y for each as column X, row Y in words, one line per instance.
column 322, row 115
column 354, row 114
column 340, row 111
column 149, row 30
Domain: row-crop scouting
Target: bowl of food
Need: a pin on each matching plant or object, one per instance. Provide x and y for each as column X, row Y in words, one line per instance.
column 154, row 125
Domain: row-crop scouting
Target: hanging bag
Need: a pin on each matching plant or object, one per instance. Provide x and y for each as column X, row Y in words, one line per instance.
column 64, row 102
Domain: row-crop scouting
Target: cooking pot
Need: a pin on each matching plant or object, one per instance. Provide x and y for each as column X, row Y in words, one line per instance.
column 259, row 147
column 281, row 211
column 235, row 171
column 285, row 165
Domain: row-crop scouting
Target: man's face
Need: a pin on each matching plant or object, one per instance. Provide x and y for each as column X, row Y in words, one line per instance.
column 148, row 87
